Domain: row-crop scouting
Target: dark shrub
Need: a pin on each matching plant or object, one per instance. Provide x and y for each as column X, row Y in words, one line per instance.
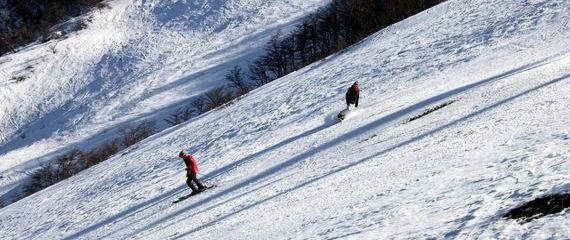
column 132, row 135
column 100, row 154
column 53, row 172
column 181, row 115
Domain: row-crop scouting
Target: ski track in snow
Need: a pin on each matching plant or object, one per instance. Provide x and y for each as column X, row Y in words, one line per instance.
column 286, row 169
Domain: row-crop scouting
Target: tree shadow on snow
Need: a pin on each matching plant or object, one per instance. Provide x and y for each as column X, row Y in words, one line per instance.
column 353, row 134
column 283, row 143
column 305, row 155
column 167, row 195
column 128, row 213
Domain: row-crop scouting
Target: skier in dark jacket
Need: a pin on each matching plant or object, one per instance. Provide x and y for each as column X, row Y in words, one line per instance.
column 192, row 171
column 352, row 95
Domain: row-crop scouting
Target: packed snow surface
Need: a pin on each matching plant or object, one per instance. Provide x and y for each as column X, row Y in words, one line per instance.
column 137, row 60
column 286, row 168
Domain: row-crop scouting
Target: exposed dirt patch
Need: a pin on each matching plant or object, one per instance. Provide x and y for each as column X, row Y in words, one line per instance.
column 540, row 207
column 430, row 110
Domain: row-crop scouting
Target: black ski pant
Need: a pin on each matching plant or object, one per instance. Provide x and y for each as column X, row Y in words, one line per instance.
column 350, row 101
column 193, row 179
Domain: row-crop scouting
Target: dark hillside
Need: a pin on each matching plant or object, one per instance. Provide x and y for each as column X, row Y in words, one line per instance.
column 22, row 22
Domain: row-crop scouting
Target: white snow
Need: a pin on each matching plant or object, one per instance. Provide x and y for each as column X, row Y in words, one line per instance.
column 286, row 169
column 137, row 60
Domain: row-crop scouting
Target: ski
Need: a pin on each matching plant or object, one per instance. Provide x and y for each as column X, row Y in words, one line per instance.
column 180, row 199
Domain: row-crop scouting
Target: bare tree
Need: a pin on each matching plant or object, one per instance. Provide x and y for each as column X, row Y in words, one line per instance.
column 41, row 178
column 217, row 97
column 275, row 59
column 302, row 44
column 66, row 164
column 100, row 154
column 258, row 73
column 181, row 115
column 200, row 104
column 6, row 44
column 52, row 173
column 289, row 52
column 236, row 79
column 132, row 135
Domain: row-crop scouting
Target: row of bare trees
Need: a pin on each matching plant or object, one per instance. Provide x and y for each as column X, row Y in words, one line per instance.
column 76, row 160
column 210, row 100
column 331, row 29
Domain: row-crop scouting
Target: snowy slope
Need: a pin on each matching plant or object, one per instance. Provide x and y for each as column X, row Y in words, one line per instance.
column 286, row 169
column 137, row 60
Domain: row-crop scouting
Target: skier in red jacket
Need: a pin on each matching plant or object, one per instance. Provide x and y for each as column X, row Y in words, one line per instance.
column 192, row 168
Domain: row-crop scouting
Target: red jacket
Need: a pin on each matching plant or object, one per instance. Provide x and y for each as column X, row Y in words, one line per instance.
column 191, row 164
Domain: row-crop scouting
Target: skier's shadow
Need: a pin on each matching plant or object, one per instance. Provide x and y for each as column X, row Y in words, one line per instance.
column 356, row 132
column 167, row 195
column 128, row 213
column 328, row 122
column 361, row 161
column 272, row 170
